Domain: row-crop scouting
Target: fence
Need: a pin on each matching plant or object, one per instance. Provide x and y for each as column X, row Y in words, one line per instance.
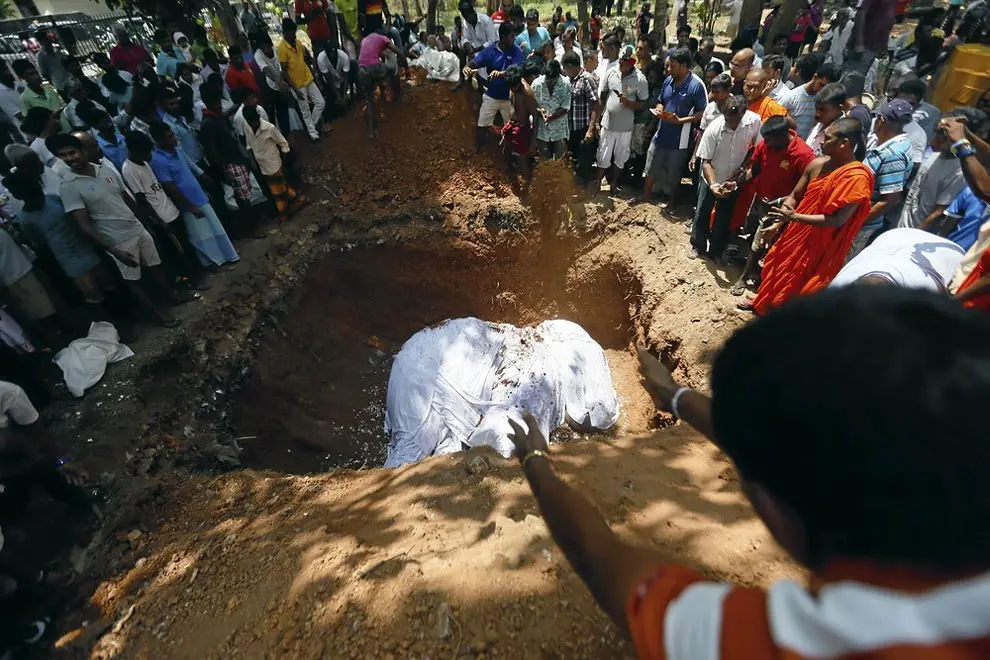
column 78, row 33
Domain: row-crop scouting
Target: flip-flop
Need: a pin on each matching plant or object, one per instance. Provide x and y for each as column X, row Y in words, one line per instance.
column 737, row 290
column 745, row 306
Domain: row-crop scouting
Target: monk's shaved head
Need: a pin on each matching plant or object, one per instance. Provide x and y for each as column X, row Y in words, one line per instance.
column 756, row 84
column 757, row 76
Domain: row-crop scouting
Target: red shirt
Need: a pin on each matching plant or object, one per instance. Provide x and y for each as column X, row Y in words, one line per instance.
column 242, row 78
column 128, row 58
column 315, row 11
column 779, row 171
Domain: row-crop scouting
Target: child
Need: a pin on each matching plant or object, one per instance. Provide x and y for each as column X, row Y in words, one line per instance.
column 518, row 137
column 266, row 144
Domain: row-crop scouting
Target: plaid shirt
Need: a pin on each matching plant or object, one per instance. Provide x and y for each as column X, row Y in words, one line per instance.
column 584, row 96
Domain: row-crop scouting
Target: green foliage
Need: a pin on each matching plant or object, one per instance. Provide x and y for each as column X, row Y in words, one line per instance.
column 7, row 10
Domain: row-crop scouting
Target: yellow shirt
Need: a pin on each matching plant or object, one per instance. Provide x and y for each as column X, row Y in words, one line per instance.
column 294, row 62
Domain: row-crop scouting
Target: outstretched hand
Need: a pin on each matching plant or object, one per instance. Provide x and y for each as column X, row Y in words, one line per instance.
column 527, row 441
column 657, row 376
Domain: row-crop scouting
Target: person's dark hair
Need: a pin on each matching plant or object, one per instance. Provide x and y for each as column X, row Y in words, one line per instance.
column 683, row 29
column 650, row 40
column 530, row 68
column 681, row 56
column 829, row 72
column 36, row 119
column 288, row 26
column 831, row 94
column 854, row 83
column 465, row 6
column 139, row 142
column 715, row 67
column 898, row 482
column 158, row 130
column 721, row 82
column 611, row 41
column 735, row 105
column 181, row 67
column 851, row 129
column 211, row 96
column 112, row 81
column 22, row 185
column 516, row 12
column 506, row 29
column 807, row 66
column 513, row 75
column 238, row 94
column 707, row 42
column 976, row 119
column 774, row 62
column 571, row 59
column 775, row 125
column 213, row 81
column 160, row 35
column 90, row 114
column 20, row 67
column 250, row 113
column 532, row 15
column 692, row 45
column 740, row 42
column 552, row 69
column 62, row 141
column 914, row 87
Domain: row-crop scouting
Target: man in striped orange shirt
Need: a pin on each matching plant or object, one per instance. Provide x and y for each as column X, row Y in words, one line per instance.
column 866, row 464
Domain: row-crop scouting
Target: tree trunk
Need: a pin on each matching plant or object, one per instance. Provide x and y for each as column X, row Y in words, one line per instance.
column 492, row 6
column 786, row 17
column 419, row 10
column 660, row 20
column 584, row 35
column 228, row 22
column 405, row 7
column 752, row 12
column 431, row 16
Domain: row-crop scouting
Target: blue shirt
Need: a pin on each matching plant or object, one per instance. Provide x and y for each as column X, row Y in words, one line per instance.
column 530, row 42
column 683, row 100
column 185, row 135
column 166, row 62
column 493, row 59
column 891, row 163
column 972, row 212
column 173, row 167
column 116, row 152
column 50, row 226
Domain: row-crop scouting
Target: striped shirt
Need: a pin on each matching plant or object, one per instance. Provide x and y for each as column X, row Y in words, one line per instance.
column 852, row 610
column 891, row 163
column 801, row 106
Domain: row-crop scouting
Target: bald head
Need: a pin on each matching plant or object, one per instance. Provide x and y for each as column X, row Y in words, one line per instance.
column 90, row 146
column 755, row 86
column 741, row 63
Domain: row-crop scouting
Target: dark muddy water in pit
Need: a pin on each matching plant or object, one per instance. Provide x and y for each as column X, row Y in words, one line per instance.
column 316, row 397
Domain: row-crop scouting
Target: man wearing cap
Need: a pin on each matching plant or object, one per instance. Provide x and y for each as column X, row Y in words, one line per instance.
column 495, row 58
column 624, row 91
column 534, row 36
column 681, row 103
column 295, row 60
column 888, row 155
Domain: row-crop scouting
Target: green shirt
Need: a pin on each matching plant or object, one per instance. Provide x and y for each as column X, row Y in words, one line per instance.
column 49, row 98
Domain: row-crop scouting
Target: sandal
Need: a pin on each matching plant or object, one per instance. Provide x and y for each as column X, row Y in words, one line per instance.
column 738, row 288
column 745, row 306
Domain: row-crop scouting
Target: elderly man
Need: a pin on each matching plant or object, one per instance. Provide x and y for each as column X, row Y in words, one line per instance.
column 127, row 55
column 739, row 67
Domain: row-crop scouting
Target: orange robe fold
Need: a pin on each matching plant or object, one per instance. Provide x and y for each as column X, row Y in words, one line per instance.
column 807, row 257
column 981, row 269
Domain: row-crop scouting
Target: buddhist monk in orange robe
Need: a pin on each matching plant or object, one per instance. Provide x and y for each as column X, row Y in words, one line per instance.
column 974, row 291
column 820, row 219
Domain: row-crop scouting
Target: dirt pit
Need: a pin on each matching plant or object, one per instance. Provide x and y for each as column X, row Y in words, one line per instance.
column 316, row 397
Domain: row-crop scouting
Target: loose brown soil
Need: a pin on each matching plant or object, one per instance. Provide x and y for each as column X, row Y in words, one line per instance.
column 283, row 367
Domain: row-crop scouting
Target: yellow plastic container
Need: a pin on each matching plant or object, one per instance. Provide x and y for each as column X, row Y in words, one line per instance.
column 964, row 77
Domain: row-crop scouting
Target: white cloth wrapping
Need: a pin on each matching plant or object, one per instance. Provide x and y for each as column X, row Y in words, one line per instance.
column 459, row 383
column 439, row 65
column 84, row 361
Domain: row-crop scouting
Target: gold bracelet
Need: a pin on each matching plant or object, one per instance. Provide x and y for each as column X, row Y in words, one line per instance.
column 533, row 454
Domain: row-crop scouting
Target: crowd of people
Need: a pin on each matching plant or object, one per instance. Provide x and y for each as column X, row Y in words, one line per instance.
column 800, row 162
column 126, row 190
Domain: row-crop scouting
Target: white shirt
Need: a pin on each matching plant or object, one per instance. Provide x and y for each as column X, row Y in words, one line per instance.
column 338, row 72
column 709, row 115
column 604, row 66
column 15, row 405
column 14, row 264
column 725, row 148
column 837, row 43
column 919, row 140
column 816, row 138
column 10, row 101
column 906, row 257
column 480, row 35
column 559, row 51
column 779, row 92
column 38, row 146
column 262, row 61
column 267, row 145
column 237, row 121
column 141, row 179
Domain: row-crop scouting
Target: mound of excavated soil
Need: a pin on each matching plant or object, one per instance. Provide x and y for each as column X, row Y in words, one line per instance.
column 286, row 362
